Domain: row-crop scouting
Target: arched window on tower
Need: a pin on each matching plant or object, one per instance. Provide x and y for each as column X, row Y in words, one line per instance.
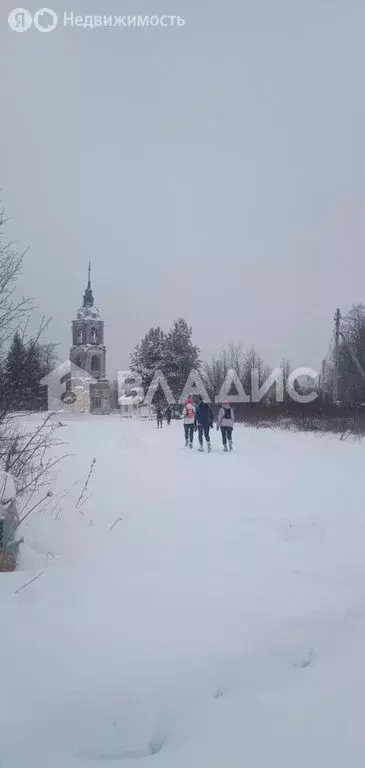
column 93, row 336
column 95, row 367
column 79, row 336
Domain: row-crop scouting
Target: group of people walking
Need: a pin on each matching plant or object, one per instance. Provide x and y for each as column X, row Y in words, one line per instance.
column 199, row 418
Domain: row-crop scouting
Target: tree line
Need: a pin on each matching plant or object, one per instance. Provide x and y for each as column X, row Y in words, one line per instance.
column 175, row 354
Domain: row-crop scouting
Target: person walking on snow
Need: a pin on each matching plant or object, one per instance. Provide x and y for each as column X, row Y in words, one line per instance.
column 189, row 421
column 225, row 423
column 203, row 422
column 159, row 416
column 168, row 414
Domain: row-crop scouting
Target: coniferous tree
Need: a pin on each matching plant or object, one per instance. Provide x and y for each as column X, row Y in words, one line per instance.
column 15, row 393
column 181, row 356
column 149, row 356
column 173, row 353
column 34, row 399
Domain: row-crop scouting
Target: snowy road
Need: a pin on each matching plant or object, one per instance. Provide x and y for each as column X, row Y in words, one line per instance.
column 221, row 622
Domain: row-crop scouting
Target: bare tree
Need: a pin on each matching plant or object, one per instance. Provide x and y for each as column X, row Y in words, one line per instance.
column 286, row 368
column 215, row 372
column 351, row 385
column 26, row 452
column 14, row 311
column 48, row 357
column 233, row 357
column 253, row 361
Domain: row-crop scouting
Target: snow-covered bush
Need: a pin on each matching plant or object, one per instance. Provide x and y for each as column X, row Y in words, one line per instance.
column 9, row 522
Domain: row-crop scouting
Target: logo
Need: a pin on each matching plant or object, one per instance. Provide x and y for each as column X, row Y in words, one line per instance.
column 302, row 386
column 68, row 388
column 130, row 391
column 45, row 20
column 68, row 397
column 20, row 20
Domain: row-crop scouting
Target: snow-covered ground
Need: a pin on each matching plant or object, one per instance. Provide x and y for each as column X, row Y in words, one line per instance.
column 219, row 624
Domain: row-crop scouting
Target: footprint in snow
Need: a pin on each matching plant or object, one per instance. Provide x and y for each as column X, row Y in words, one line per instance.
column 153, row 748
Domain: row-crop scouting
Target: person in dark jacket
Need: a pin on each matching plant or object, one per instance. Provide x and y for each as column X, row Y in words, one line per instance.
column 203, row 422
column 159, row 416
column 168, row 414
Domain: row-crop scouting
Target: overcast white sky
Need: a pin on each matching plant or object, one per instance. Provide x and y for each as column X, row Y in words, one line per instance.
column 213, row 171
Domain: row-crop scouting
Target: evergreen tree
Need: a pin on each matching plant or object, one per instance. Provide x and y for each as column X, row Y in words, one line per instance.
column 33, row 375
column 173, row 353
column 180, row 356
column 149, row 356
column 15, row 394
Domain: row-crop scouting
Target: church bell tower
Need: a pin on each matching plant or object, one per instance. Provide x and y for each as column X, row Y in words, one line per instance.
column 88, row 350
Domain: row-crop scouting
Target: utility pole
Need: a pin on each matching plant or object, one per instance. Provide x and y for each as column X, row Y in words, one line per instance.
column 337, row 344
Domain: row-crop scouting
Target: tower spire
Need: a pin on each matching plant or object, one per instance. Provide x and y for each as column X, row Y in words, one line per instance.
column 88, row 295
